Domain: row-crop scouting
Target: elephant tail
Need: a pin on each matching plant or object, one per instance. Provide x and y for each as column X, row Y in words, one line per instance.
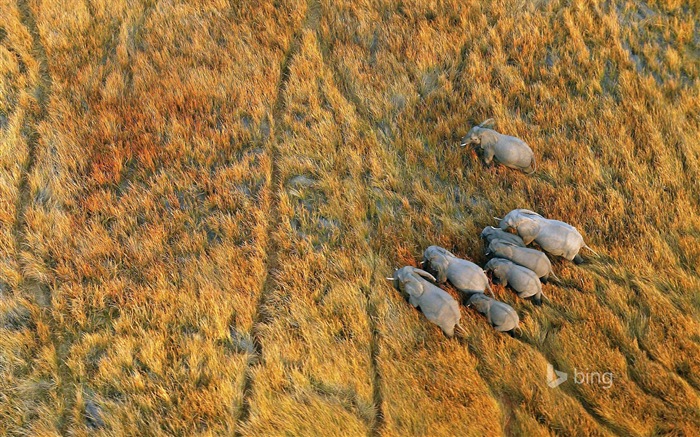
column 460, row 332
column 594, row 252
column 554, row 275
column 533, row 166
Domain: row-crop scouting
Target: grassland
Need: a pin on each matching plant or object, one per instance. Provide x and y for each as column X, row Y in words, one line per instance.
column 200, row 202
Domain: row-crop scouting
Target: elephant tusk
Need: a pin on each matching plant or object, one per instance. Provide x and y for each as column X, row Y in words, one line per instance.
column 596, row 253
column 497, row 219
column 391, row 279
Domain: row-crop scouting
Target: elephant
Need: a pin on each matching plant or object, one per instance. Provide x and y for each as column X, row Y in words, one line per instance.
column 491, row 233
column 437, row 305
column 521, row 279
column 532, row 259
column 509, row 151
column 553, row 236
column 500, row 315
column 466, row 276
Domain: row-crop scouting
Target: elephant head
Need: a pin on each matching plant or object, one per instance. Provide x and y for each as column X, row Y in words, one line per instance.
column 497, row 266
column 501, row 315
column 437, row 260
column 480, row 302
column 472, row 137
column 488, row 233
column 525, row 222
column 408, row 281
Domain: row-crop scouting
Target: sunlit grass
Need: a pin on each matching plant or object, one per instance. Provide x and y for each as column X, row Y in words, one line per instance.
column 214, row 192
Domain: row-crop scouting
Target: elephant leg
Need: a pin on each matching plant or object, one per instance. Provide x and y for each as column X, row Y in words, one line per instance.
column 488, row 156
column 449, row 332
column 537, row 299
column 578, row 259
column 544, row 279
column 511, row 333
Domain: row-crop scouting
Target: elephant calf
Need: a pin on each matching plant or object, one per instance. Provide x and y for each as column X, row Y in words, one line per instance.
column 437, row 305
column 491, row 233
column 466, row 276
column 521, row 279
column 532, row 259
column 553, row 236
column 500, row 315
column 509, row 151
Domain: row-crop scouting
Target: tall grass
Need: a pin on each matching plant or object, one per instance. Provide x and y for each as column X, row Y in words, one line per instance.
column 200, row 203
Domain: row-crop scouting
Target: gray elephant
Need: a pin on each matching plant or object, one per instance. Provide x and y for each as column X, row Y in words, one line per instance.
column 521, row 279
column 532, row 259
column 553, row 236
column 466, row 276
column 500, row 315
column 491, row 233
column 437, row 305
column 509, row 151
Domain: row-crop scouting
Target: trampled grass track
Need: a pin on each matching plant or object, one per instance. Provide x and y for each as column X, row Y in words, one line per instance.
column 264, row 308
column 214, row 199
column 34, row 288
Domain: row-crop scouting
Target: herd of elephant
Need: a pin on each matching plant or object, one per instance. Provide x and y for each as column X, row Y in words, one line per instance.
column 511, row 262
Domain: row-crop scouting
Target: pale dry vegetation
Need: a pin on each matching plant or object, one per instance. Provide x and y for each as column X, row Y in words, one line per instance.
column 200, row 203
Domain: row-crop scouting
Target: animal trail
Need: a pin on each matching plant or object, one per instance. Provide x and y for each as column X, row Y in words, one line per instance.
column 377, row 397
column 39, row 291
column 261, row 316
column 134, row 35
column 344, row 85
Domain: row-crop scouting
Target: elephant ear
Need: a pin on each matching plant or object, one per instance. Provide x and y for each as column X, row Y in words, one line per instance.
column 424, row 274
column 443, row 251
column 528, row 212
column 493, row 244
column 415, row 291
column 488, row 124
column 528, row 230
column 438, row 264
column 507, row 243
column 479, row 303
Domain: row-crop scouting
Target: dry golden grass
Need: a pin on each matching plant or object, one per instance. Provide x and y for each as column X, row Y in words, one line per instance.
column 200, row 203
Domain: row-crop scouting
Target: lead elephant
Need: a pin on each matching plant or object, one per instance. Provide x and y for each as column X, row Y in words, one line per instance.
column 509, row 151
